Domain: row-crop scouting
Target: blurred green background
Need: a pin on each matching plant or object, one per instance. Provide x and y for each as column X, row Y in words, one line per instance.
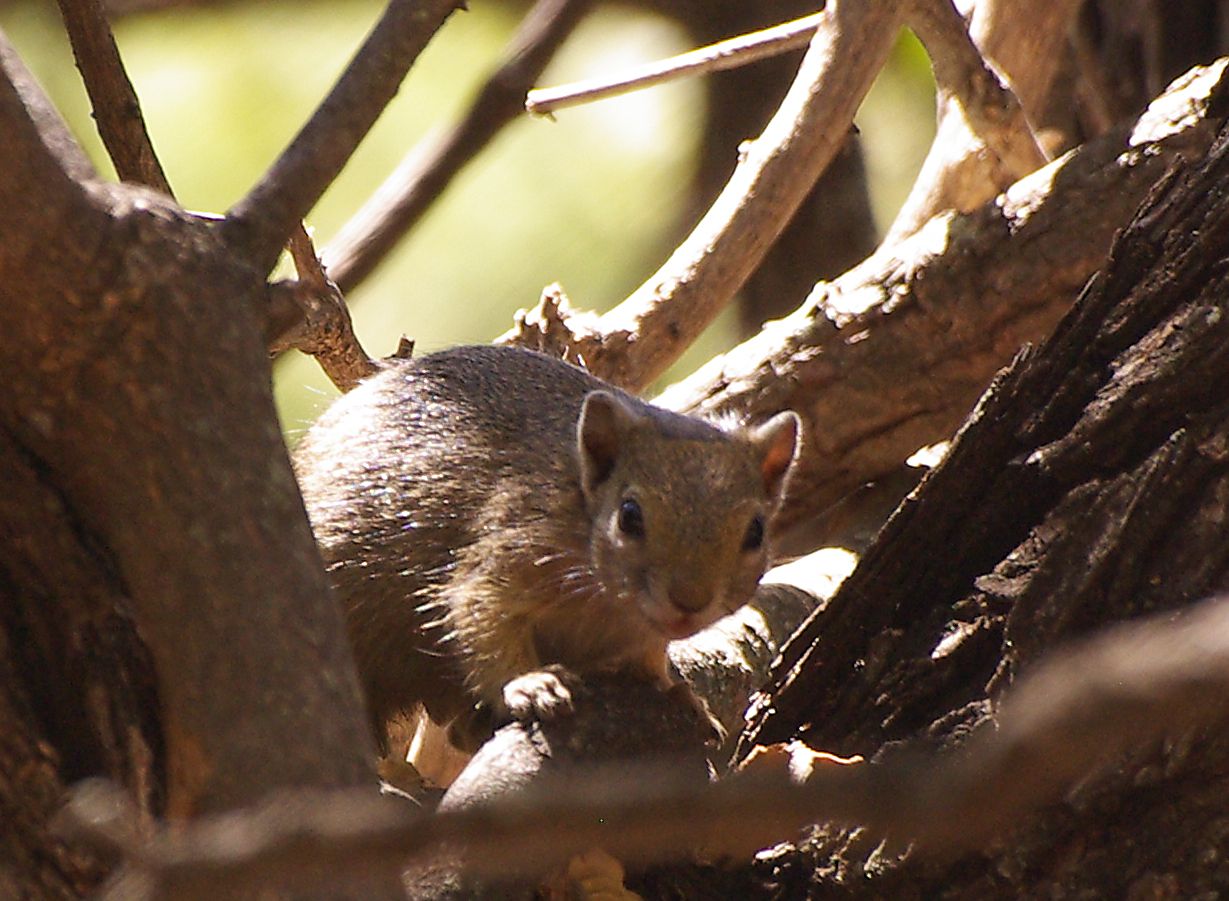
column 592, row 200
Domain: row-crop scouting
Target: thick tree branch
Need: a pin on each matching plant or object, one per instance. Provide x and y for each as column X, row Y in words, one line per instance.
column 164, row 449
column 989, row 108
column 37, row 149
column 891, row 356
column 1111, row 694
column 117, row 111
column 430, row 167
column 1086, row 488
column 260, row 224
column 634, row 343
column 37, row 143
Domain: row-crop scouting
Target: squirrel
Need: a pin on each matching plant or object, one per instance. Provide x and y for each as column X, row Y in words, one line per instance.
column 491, row 517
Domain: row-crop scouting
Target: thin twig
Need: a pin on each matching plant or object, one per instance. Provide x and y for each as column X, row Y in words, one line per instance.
column 117, row 112
column 319, row 320
column 1117, row 692
column 727, row 54
column 634, row 343
column 429, row 168
column 261, row 222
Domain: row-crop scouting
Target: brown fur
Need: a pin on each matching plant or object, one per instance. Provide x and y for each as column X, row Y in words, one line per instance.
column 470, row 523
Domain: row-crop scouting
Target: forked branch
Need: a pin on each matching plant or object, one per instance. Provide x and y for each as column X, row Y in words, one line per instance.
column 314, row 319
column 968, row 164
column 989, row 106
column 634, row 343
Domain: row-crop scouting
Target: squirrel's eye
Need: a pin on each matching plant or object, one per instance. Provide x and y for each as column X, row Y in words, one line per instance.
column 631, row 518
column 754, row 538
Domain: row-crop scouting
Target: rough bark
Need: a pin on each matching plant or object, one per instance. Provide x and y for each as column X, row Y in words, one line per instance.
column 153, row 532
column 1088, row 487
column 77, row 694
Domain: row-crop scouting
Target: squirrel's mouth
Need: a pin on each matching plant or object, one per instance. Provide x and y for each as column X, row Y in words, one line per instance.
column 670, row 620
column 682, row 625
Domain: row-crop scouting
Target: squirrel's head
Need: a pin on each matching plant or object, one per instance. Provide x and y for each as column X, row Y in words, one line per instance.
column 680, row 509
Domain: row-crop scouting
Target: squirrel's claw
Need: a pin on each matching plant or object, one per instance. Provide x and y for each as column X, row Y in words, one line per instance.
column 540, row 695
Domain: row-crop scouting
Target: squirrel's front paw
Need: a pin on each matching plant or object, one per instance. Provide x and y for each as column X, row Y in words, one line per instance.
column 540, row 695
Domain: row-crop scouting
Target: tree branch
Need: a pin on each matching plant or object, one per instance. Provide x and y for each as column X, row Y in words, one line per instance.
column 117, row 111
column 1087, row 487
column 261, row 222
column 962, row 169
column 1116, row 692
column 312, row 317
column 990, row 108
column 32, row 120
column 729, row 54
column 120, row 405
column 634, row 343
column 37, row 149
column 890, row 356
column 429, row 168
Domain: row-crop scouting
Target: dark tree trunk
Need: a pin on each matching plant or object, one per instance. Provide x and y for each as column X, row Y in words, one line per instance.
column 151, row 533
column 1090, row 486
column 77, row 694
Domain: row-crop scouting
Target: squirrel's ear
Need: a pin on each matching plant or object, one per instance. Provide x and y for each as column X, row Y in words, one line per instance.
column 604, row 420
column 777, row 440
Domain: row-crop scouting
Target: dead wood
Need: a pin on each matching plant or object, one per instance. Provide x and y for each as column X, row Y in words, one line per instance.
column 1089, row 487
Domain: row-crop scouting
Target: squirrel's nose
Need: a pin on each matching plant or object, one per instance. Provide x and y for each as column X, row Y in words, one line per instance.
column 690, row 598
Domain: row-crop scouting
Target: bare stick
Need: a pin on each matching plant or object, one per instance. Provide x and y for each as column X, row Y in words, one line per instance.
column 634, row 343
column 261, row 222
column 728, row 54
column 429, row 168
column 319, row 319
column 1116, row 692
column 117, row 111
